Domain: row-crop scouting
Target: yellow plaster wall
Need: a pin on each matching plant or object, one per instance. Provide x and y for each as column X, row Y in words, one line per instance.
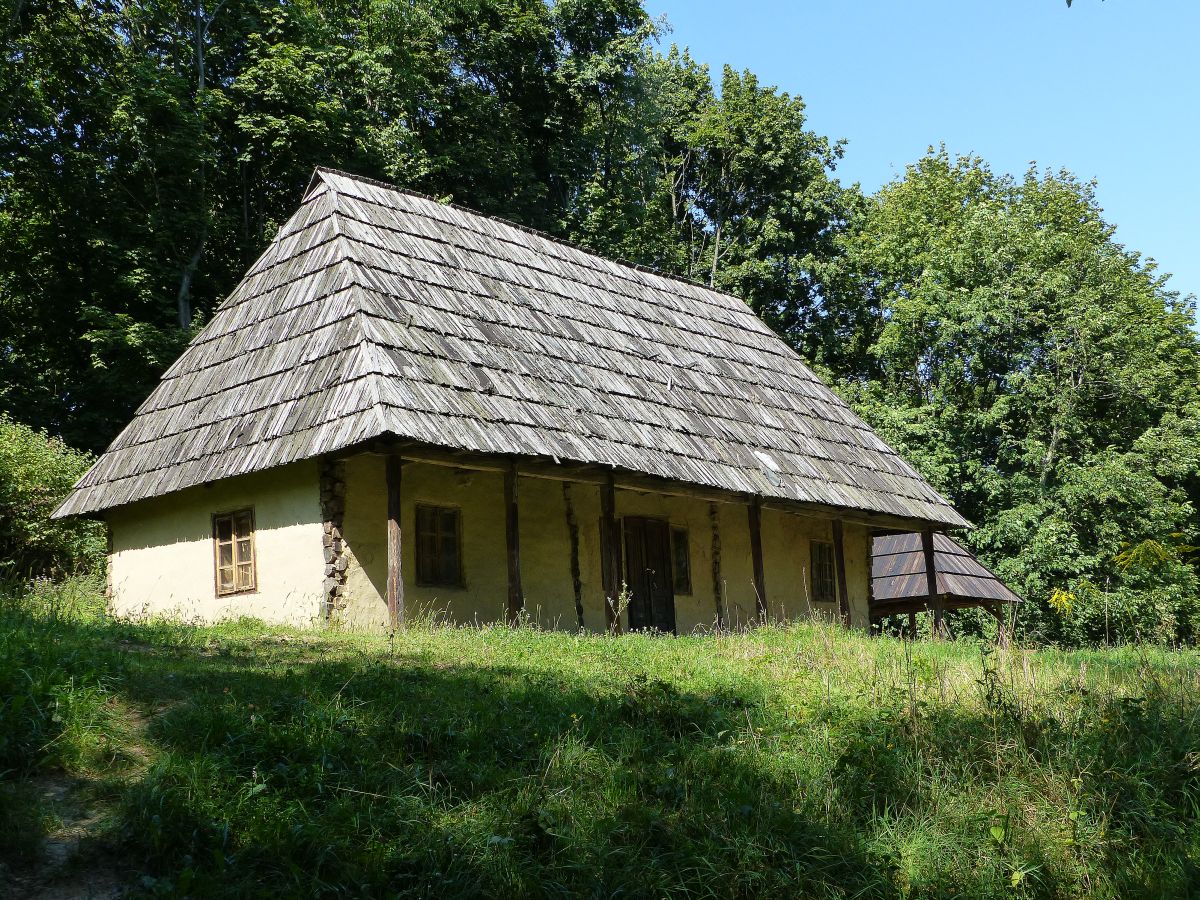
column 162, row 550
column 857, row 541
column 737, row 567
column 786, row 558
column 545, row 551
column 479, row 495
column 544, row 541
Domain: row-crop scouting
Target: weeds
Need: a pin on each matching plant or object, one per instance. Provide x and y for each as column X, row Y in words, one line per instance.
column 440, row 761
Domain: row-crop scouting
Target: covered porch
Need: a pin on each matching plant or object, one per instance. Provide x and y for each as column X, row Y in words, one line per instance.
column 414, row 530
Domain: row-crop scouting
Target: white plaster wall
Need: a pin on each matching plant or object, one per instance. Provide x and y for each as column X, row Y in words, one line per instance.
column 162, row 550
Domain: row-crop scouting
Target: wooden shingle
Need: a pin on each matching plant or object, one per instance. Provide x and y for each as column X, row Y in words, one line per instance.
column 380, row 312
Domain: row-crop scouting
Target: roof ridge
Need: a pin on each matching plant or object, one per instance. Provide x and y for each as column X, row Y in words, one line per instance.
column 491, row 343
column 573, row 245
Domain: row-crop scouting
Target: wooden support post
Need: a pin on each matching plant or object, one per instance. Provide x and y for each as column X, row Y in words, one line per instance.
column 395, row 582
column 512, row 536
column 839, row 563
column 756, row 555
column 573, row 536
column 610, row 553
column 718, row 583
column 912, row 626
column 935, row 599
column 1001, row 630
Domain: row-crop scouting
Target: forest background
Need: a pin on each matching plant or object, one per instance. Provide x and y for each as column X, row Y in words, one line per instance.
column 1040, row 374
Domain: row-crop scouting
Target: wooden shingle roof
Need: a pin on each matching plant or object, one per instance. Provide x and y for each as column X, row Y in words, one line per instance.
column 379, row 312
column 898, row 574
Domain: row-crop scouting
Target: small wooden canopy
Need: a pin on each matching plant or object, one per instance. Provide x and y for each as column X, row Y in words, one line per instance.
column 899, row 584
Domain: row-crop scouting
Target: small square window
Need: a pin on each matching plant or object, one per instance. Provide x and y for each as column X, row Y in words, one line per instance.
column 681, row 562
column 823, row 587
column 439, row 543
column 233, row 552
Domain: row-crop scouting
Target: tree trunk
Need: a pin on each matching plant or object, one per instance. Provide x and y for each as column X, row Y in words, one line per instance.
column 184, row 300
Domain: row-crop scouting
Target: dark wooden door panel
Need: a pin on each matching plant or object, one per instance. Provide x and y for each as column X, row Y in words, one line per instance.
column 648, row 563
column 635, row 568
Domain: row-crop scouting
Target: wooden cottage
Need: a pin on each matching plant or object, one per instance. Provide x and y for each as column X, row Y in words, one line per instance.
column 407, row 407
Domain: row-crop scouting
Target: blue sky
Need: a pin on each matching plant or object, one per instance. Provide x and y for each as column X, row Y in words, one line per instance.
column 1109, row 89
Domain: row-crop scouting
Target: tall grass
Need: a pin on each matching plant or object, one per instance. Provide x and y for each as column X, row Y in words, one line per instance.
column 798, row 761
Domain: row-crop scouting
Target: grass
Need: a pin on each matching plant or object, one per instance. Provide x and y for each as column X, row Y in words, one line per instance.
column 241, row 760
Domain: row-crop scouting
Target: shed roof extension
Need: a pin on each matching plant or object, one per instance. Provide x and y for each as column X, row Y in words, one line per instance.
column 378, row 312
column 898, row 582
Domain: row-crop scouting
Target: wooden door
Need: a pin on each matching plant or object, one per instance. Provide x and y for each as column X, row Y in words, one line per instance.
column 648, row 564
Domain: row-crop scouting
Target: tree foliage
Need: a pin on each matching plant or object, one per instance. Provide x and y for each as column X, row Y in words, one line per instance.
column 722, row 186
column 992, row 329
column 1042, row 376
column 36, row 472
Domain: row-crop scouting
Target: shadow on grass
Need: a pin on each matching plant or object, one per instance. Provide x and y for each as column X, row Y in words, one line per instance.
column 308, row 764
column 385, row 776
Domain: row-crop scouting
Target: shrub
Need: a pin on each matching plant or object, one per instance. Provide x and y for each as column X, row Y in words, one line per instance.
column 52, row 677
column 36, row 473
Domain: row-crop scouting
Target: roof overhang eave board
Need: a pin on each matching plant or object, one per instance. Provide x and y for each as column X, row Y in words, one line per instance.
column 629, row 480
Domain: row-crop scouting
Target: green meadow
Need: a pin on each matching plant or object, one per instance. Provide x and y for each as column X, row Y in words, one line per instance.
column 162, row 759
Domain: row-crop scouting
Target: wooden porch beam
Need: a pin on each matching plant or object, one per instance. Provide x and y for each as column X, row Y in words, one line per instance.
column 594, row 473
column 756, row 555
column 839, row 563
column 395, row 582
column 512, row 538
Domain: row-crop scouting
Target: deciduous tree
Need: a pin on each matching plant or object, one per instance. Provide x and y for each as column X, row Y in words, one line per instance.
column 1038, row 372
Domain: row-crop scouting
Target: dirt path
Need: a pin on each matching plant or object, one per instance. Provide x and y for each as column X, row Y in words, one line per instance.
column 77, row 861
column 73, row 864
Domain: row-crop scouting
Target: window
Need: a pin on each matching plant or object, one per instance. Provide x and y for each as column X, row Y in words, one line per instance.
column 681, row 563
column 439, row 533
column 233, row 546
column 822, row 573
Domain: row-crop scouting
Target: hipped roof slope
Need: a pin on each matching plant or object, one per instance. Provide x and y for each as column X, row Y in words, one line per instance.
column 380, row 312
column 898, row 573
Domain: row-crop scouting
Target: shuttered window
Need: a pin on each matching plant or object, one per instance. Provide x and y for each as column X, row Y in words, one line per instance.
column 681, row 561
column 823, row 587
column 233, row 548
column 439, row 543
